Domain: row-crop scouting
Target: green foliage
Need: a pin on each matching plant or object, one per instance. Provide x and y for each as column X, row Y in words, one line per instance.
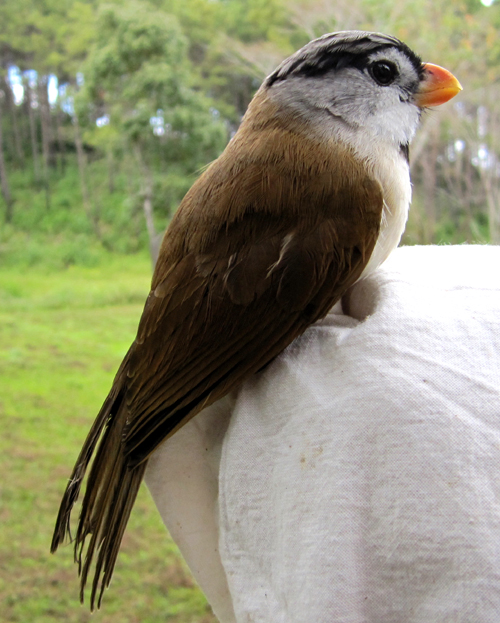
column 63, row 236
column 132, row 43
column 46, row 35
column 172, row 76
column 138, row 67
column 254, row 20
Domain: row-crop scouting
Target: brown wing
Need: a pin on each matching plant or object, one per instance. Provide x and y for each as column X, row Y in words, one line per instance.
column 260, row 249
column 229, row 317
column 248, row 281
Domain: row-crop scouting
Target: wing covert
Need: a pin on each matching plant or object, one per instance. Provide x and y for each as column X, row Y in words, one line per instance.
column 222, row 314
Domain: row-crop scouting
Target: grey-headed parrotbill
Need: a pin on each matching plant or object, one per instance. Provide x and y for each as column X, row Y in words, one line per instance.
column 310, row 195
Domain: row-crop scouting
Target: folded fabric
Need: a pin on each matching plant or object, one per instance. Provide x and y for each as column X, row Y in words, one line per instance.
column 356, row 479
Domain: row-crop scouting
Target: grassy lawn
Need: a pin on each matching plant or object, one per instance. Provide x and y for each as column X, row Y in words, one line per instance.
column 62, row 336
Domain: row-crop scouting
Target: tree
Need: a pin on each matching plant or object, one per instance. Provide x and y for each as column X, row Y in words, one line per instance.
column 139, row 78
column 4, row 183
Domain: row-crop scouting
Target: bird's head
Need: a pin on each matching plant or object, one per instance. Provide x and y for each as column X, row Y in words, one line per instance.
column 358, row 86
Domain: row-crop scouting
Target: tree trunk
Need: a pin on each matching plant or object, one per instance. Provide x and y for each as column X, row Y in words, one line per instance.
column 80, row 154
column 60, row 141
column 492, row 199
column 465, row 184
column 48, row 156
column 429, row 163
column 11, row 107
column 492, row 214
column 147, row 206
column 45, row 118
column 494, row 210
column 111, row 172
column 31, row 102
column 4, row 184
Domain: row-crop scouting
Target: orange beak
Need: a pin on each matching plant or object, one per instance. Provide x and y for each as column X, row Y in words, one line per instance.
column 437, row 87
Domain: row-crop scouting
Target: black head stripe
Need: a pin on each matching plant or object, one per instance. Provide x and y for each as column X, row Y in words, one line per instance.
column 405, row 151
column 337, row 50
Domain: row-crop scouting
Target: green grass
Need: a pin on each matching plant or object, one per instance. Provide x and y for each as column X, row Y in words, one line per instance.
column 62, row 336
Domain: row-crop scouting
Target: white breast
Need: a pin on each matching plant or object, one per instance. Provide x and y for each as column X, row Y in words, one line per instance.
column 394, row 176
column 386, row 164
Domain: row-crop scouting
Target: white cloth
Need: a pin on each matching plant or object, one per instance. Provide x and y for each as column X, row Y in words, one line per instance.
column 357, row 478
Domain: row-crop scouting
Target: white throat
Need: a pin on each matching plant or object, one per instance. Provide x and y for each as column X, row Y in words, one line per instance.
column 388, row 166
column 385, row 163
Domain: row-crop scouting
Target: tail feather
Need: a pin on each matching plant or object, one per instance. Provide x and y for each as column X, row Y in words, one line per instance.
column 97, row 507
column 116, row 525
column 72, row 492
column 111, row 490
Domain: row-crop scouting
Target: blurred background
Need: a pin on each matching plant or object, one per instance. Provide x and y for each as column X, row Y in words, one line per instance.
column 108, row 113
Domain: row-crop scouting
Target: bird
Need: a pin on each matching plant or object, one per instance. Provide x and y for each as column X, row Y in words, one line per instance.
column 310, row 195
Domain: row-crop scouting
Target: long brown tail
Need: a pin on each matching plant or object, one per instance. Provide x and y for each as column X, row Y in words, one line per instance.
column 110, row 494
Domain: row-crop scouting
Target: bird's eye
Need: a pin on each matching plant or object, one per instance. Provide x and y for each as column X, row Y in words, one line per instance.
column 383, row 72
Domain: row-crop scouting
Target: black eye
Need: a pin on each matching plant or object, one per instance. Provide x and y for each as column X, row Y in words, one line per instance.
column 383, row 72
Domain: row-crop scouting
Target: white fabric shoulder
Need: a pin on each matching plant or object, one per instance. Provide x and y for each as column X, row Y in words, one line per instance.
column 356, row 479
